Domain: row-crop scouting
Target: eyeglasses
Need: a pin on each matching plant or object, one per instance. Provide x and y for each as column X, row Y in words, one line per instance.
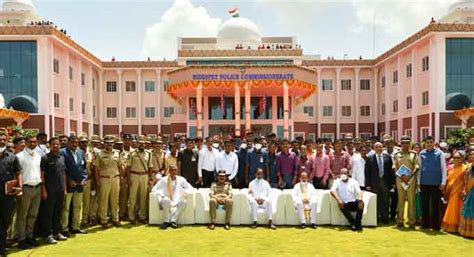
column 454, row 158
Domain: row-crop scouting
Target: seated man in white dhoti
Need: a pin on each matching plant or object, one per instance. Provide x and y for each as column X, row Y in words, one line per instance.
column 172, row 191
column 260, row 197
column 304, row 197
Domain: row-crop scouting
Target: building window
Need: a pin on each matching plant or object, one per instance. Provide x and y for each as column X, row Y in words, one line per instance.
column 149, row 86
column 327, row 84
column 346, row 84
column 149, row 112
column 70, row 73
column 409, row 71
column 131, row 112
column 83, row 108
column 395, row 135
column 383, row 81
column 93, row 111
column 365, row 84
column 365, row 110
column 395, row 77
column 425, row 100
column 408, row 132
column 365, row 135
column 383, row 109
column 130, row 86
column 56, row 66
column 93, row 84
column 111, row 112
column 83, row 79
column 168, row 112
column 329, row 136
column 346, row 111
column 395, row 106
column 424, row 132
column 165, row 85
column 327, row 111
column 448, row 130
column 425, row 63
column 409, row 103
column 71, row 104
column 56, row 100
column 309, row 110
column 111, row 86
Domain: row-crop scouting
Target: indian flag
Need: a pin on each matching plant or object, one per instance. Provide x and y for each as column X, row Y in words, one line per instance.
column 234, row 12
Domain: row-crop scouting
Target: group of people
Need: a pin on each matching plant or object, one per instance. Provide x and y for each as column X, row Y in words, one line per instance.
column 59, row 186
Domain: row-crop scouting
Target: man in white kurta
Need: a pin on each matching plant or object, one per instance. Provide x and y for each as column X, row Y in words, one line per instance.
column 172, row 191
column 304, row 198
column 260, row 197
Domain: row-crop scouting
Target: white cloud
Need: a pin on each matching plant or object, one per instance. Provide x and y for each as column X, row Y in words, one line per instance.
column 183, row 19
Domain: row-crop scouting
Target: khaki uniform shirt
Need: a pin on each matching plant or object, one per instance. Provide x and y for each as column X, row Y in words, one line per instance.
column 158, row 160
column 140, row 161
column 409, row 159
column 109, row 163
column 217, row 189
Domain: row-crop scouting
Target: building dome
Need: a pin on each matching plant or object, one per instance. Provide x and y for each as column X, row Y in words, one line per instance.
column 460, row 12
column 237, row 31
column 18, row 5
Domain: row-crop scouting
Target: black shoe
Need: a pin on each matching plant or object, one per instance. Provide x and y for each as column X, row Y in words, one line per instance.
column 32, row 242
column 353, row 228
column 165, row 225
column 65, row 233
column 303, row 226
column 227, row 227
column 254, row 225
column 313, row 226
column 23, row 244
column 78, row 231
column 174, row 225
column 359, row 228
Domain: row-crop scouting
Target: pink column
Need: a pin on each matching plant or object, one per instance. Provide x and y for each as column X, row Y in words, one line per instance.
column 247, row 106
column 286, row 113
column 199, row 110
column 237, row 108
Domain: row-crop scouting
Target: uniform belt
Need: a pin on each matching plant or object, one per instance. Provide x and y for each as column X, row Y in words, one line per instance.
column 138, row 173
column 30, row 186
column 113, row 176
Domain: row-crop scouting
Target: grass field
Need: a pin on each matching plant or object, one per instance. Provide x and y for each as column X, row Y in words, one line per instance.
column 244, row 241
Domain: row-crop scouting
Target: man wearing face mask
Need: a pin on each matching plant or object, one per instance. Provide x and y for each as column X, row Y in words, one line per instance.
column 348, row 195
column 260, row 196
column 304, row 198
column 256, row 159
column 242, row 157
column 207, row 163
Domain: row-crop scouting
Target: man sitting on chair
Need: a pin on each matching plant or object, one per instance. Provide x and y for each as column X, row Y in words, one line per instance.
column 304, row 197
column 220, row 196
column 260, row 196
column 172, row 191
column 348, row 195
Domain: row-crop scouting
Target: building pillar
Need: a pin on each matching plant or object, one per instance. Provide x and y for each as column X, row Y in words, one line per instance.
column 401, row 101
column 159, row 104
column 139, row 103
column 120, row 100
column 199, row 109
column 237, row 108
column 286, row 112
column 90, row 104
column 376, row 101
column 102, row 111
column 337, row 112
column 247, row 106
column 388, row 102
column 319, row 106
column 79, row 91
column 356, row 102
column 414, row 97
column 67, row 118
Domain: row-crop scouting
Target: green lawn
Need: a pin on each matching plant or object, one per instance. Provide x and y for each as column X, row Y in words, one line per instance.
column 244, row 241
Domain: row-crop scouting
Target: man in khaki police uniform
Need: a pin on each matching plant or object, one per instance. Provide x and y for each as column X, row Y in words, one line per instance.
column 89, row 201
column 109, row 167
column 221, row 195
column 140, row 167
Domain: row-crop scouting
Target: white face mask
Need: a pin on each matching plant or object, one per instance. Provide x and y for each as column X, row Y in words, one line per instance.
column 243, row 146
column 447, row 155
column 2, row 149
column 258, row 146
column 344, row 177
column 215, row 145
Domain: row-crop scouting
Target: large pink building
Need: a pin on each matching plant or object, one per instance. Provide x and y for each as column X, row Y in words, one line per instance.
column 266, row 85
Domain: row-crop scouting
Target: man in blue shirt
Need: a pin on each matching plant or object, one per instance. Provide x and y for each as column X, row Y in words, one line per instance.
column 256, row 159
column 272, row 173
column 76, row 178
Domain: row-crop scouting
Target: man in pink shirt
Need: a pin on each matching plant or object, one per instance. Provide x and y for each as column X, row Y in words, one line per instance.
column 319, row 168
column 339, row 160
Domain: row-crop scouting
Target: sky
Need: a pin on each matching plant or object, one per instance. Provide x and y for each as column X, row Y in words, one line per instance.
column 135, row 30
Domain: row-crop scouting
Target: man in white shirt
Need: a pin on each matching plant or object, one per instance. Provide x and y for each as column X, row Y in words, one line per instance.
column 42, row 147
column 358, row 161
column 348, row 195
column 207, row 164
column 29, row 201
column 260, row 197
column 227, row 160
column 172, row 191
column 304, row 198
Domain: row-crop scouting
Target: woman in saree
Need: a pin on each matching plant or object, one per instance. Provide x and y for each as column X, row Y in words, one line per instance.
column 454, row 192
column 466, row 220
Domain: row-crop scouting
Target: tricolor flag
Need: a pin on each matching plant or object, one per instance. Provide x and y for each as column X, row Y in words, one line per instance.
column 262, row 104
column 234, row 12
